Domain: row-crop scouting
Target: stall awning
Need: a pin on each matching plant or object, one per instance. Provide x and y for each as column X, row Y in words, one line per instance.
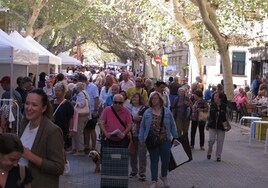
column 259, row 53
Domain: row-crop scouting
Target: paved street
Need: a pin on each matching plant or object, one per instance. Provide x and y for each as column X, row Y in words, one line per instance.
column 242, row 166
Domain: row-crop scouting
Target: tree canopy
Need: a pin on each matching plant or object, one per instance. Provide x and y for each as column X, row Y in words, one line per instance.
column 136, row 29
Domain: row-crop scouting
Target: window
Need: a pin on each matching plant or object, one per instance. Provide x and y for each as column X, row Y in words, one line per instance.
column 238, row 63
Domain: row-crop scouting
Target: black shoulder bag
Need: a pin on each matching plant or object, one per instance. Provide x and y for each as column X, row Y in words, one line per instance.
column 126, row 139
column 119, row 119
column 153, row 141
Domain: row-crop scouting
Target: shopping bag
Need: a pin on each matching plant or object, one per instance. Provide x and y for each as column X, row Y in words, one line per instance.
column 75, row 120
column 182, row 149
column 186, row 145
column 179, row 155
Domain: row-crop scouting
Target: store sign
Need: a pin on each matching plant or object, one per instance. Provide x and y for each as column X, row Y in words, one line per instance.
column 164, row 60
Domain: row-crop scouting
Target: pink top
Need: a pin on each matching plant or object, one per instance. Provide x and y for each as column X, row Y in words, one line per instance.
column 240, row 100
column 111, row 123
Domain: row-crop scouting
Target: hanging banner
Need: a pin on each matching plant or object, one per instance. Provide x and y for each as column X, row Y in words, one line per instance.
column 164, row 60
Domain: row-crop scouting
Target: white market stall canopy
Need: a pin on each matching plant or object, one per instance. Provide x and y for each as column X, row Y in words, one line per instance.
column 116, row 64
column 46, row 57
column 68, row 60
column 11, row 48
column 14, row 59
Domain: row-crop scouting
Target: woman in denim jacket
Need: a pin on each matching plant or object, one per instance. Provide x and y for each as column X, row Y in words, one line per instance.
column 151, row 123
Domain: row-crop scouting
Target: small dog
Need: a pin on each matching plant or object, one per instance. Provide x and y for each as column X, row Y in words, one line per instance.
column 96, row 158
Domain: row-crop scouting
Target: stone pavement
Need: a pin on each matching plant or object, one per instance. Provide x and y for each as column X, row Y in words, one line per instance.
column 242, row 166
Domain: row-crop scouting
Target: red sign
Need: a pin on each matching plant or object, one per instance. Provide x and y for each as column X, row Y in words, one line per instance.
column 157, row 60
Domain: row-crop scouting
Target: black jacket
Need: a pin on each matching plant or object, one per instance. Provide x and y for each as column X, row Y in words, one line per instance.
column 217, row 115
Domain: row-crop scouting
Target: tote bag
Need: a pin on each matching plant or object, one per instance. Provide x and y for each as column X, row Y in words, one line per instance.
column 84, row 110
column 202, row 116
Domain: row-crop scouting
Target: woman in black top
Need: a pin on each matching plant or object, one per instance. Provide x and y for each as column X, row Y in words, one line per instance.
column 217, row 115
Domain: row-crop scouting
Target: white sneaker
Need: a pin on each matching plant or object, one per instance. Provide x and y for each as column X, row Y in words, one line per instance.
column 154, row 184
column 165, row 182
column 66, row 168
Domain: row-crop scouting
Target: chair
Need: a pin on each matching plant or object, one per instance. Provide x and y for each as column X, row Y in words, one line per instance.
column 233, row 111
column 248, row 109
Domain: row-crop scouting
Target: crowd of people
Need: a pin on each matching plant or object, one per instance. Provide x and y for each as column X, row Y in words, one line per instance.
column 59, row 115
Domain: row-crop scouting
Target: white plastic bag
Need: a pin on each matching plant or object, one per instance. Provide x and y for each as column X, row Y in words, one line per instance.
column 179, row 155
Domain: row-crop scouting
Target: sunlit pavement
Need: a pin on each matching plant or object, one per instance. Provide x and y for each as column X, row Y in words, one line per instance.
column 241, row 166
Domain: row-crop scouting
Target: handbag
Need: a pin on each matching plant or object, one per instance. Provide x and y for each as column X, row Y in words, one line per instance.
column 226, row 126
column 85, row 109
column 202, row 116
column 153, row 141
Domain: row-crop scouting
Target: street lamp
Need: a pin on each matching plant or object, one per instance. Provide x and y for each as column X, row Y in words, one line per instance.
column 163, row 53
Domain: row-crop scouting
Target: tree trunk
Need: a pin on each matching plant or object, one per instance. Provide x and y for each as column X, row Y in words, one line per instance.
column 208, row 14
column 191, row 34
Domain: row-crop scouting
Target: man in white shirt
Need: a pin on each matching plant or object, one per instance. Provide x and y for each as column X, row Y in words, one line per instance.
column 126, row 82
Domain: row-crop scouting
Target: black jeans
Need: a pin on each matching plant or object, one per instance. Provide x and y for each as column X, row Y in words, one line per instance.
column 201, row 127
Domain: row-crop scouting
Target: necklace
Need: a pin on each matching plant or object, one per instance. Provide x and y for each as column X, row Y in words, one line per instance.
column 2, row 173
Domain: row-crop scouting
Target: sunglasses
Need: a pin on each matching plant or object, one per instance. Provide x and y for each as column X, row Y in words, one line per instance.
column 117, row 102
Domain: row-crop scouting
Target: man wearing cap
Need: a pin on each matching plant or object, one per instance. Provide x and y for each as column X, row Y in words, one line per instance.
column 27, row 84
column 5, row 83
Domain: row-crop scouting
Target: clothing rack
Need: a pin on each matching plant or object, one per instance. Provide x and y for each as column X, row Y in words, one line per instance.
column 17, row 117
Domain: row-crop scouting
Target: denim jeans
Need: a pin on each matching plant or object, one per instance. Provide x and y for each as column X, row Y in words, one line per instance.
column 163, row 151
